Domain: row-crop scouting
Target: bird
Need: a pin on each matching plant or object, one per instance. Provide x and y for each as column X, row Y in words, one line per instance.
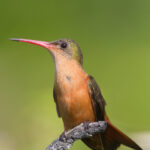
column 78, row 97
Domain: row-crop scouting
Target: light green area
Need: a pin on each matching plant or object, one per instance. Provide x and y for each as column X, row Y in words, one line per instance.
column 114, row 37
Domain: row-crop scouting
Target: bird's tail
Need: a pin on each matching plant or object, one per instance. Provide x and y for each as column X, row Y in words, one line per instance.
column 113, row 137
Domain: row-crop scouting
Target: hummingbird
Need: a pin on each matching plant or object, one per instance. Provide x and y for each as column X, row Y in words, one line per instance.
column 78, row 97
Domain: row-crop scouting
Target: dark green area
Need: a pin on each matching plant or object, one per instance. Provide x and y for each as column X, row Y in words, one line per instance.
column 114, row 38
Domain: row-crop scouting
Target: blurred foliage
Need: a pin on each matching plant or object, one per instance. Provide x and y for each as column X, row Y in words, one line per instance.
column 114, row 37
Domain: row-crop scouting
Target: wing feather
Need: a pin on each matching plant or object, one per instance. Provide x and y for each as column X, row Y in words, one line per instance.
column 55, row 100
column 97, row 99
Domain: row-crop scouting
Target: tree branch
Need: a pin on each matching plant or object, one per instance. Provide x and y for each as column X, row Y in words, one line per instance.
column 84, row 130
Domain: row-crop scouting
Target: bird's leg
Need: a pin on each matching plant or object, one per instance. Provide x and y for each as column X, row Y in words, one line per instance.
column 62, row 136
column 86, row 125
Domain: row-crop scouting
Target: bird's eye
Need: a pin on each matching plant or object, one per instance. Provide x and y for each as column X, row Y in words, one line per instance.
column 63, row 45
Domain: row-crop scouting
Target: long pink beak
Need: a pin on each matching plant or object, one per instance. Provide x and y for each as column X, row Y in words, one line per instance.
column 35, row 42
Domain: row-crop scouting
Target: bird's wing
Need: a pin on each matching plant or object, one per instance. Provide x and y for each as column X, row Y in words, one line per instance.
column 55, row 99
column 97, row 99
column 99, row 109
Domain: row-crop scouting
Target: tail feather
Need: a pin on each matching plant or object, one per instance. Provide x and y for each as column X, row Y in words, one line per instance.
column 113, row 137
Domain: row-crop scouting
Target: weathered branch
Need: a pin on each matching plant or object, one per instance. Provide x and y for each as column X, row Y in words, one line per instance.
column 84, row 130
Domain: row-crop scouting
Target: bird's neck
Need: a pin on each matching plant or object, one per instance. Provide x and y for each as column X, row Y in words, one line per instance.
column 68, row 71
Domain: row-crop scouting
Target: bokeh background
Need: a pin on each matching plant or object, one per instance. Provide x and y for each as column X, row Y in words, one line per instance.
column 114, row 38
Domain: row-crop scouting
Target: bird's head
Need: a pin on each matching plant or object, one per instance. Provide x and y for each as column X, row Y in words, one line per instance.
column 64, row 47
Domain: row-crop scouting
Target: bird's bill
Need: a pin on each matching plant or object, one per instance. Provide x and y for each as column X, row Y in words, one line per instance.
column 35, row 42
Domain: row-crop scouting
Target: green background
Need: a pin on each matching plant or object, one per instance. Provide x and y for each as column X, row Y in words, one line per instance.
column 114, row 38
